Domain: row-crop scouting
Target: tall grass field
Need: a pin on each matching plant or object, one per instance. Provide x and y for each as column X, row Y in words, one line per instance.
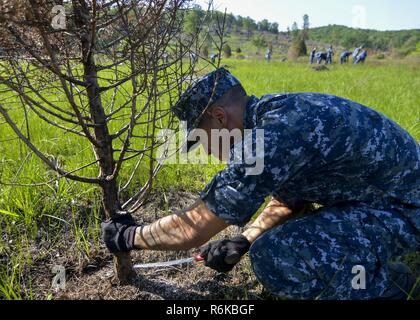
column 67, row 212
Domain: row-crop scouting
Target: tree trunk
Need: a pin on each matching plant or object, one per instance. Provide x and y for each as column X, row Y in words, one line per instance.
column 104, row 151
column 123, row 267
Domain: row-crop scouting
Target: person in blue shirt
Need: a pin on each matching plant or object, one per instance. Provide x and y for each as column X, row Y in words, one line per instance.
column 214, row 57
column 330, row 55
column 312, row 56
column 268, row 55
column 321, row 56
column 361, row 58
column 342, row 183
column 344, row 57
column 356, row 52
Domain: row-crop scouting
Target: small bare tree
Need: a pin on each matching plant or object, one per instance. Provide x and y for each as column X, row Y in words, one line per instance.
column 99, row 70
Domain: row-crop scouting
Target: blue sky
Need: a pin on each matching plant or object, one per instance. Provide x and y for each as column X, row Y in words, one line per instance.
column 372, row 14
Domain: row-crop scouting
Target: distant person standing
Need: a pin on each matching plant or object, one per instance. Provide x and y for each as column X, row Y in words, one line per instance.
column 165, row 57
column 312, row 56
column 330, row 55
column 356, row 53
column 268, row 55
column 344, row 58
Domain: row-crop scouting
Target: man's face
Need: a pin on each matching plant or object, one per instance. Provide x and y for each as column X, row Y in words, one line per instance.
column 210, row 124
column 221, row 132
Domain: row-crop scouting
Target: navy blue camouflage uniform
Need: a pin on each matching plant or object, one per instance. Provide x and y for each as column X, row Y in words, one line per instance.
column 361, row 58
column 330, row 55
column 361, row 167
column 344, row 57
column 312, row 56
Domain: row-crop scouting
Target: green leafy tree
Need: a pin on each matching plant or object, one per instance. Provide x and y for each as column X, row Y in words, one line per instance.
column 274, row 28
column 298, row 48
column 264, row 25
column 295, row 29
column 193, row 20
column 259, row 42
column 239, row 23
column 230, row 22
column 306, row 24
column 249, row 25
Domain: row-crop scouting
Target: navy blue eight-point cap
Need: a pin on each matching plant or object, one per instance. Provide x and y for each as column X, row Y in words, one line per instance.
column 200, row 96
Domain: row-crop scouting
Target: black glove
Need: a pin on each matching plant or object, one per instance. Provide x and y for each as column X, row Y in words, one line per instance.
column 223, row 255
column 118, row 234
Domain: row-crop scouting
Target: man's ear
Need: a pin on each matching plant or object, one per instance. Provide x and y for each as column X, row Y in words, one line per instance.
column 220, row 115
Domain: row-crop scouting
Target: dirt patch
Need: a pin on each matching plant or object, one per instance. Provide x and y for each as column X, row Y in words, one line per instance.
column 92, row 278
column 189, row 282
column 320, row 68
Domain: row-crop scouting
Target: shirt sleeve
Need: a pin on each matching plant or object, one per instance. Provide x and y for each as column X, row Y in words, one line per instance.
column 236, row 193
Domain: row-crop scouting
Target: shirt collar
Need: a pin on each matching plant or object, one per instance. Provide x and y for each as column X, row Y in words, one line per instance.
column 250, row 114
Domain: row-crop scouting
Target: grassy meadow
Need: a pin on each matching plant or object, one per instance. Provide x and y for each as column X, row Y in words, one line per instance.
column 33, row 215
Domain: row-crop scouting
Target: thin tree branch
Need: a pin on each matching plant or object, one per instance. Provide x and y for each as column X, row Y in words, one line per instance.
column 40, row 155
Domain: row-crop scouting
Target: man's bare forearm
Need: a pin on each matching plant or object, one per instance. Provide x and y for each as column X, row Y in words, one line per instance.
column 183, row 231
column 274, row 214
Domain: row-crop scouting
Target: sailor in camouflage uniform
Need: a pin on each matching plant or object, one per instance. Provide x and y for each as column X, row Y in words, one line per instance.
column 330, row 55
column 344, row 57
column 359, row 167
column 361, row 58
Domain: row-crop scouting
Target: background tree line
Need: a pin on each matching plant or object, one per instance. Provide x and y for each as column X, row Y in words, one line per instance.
column 233, row 23
column 402, row 42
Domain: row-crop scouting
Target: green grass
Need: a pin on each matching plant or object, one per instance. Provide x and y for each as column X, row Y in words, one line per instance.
column 25, row 212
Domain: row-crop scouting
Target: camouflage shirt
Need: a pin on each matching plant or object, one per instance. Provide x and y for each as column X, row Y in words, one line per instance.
column 319, row 149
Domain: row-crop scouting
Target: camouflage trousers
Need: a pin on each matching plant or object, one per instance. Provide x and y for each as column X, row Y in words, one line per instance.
column 316, row 257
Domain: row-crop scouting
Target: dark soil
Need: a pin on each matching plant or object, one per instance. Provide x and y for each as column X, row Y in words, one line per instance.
column 320, row 68
column 92, row 277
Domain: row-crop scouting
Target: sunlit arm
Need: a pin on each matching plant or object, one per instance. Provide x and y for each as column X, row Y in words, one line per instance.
column 274, row 214
column 183, row 231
